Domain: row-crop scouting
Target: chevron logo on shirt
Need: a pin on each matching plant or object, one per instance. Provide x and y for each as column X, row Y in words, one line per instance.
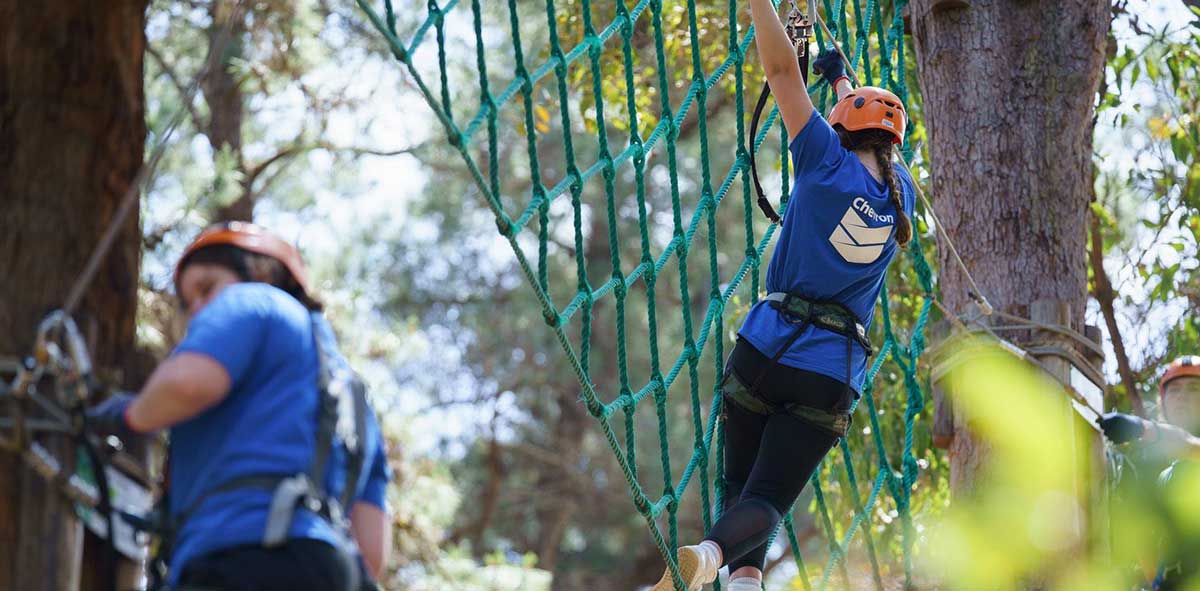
column 856, row 241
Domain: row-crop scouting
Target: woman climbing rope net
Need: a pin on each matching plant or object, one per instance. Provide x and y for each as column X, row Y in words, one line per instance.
column 801, row 355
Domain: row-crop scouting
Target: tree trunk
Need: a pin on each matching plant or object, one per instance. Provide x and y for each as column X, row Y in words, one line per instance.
column 1009, row 92
column 226, row 106
column 71, row 137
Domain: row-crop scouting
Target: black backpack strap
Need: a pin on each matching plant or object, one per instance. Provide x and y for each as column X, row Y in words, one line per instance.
column 327, row 407
column 357, row 453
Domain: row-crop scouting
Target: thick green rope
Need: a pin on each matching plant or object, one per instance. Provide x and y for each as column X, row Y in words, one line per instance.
column 898, row 482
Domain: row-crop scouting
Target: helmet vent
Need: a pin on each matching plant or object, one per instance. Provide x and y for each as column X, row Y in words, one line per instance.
column 859, row 102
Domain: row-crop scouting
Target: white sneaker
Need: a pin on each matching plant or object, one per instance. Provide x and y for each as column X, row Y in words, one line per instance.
column 698, row 565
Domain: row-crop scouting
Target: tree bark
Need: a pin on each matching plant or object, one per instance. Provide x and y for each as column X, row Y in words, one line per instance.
column 1009, row 91
column 71, row 138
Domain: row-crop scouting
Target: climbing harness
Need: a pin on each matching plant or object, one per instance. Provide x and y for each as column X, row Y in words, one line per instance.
column 804, row 313
column 733, row 389
column 800, row 31
column 341, row 420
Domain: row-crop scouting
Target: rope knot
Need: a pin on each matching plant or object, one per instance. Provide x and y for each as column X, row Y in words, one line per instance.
column 505, row 227
column 621, row 287
column 641, row 502
column 610, row 171
column 672, row 503
column 639, row 149
column 595, row 408
column 660, row 385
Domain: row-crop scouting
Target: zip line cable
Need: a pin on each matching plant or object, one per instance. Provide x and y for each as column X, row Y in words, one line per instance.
column 147, row 171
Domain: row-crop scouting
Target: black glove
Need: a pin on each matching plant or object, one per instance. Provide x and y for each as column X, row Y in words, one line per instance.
column 829, row 66
column 1122, row 428
column 108, row 417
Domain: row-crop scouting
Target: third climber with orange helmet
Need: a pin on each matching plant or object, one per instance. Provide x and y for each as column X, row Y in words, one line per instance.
column 1175, row 442
column 1179, row 401
column 801, row 355
column 276, row 462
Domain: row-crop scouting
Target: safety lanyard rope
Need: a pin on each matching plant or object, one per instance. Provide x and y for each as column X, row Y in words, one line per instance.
column 799, row 29
column 147, row 171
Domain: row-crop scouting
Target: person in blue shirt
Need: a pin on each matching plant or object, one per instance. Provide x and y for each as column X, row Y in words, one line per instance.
column 801, row 354
column 240, row 397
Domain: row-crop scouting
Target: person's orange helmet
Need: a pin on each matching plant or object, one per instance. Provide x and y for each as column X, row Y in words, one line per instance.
column 871, row 107
column 252, row 238
column 1188, row 365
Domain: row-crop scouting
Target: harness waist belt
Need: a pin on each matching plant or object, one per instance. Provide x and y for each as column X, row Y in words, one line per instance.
column 830, row 316
column 288, row 492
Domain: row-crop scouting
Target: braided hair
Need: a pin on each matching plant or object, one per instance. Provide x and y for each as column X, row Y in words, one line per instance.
column 880, row 142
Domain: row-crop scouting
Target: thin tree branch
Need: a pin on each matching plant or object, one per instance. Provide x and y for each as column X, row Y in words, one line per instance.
column 179, row 86
column 298, row 148
column 1103, row 291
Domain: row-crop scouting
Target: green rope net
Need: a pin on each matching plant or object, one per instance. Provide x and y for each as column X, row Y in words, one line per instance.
column 885, row 66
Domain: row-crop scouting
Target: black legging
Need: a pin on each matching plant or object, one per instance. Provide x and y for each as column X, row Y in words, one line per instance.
column 769, row 458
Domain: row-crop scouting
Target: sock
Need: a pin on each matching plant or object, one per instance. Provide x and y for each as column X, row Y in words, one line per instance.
column 710, row 562
column 712, row 554
column 745, row 584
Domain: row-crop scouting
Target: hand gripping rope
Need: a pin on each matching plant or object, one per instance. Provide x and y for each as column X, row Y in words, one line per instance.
column 800, row 30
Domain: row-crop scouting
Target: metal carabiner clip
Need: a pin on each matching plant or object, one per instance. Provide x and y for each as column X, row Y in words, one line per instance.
column 799, row 30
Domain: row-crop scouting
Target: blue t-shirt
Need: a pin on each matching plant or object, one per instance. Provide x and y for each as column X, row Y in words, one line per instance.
column 263, row 338
column 835, row 245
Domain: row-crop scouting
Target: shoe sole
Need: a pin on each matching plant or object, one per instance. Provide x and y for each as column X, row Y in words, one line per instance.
column 689, row 563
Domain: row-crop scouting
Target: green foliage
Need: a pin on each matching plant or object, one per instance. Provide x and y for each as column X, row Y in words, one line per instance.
column 1024, row 521
column 1148, row 190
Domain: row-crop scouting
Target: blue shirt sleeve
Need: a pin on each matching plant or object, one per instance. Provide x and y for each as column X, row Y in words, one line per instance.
column 374, row 490
column 229, row 329
column 815, row 146
column 909, row 190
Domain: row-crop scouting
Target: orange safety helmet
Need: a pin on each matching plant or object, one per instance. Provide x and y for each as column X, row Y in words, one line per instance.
column 252, row 238
column 871, row 107
column 1188, row 365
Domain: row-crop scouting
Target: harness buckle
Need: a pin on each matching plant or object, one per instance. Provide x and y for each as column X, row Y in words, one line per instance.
column 287, row 495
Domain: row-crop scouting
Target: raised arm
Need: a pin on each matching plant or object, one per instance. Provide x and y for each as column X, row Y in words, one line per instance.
column 778, row 58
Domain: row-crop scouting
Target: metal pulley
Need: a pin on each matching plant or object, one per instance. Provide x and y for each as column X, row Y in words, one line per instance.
column 799, row 29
